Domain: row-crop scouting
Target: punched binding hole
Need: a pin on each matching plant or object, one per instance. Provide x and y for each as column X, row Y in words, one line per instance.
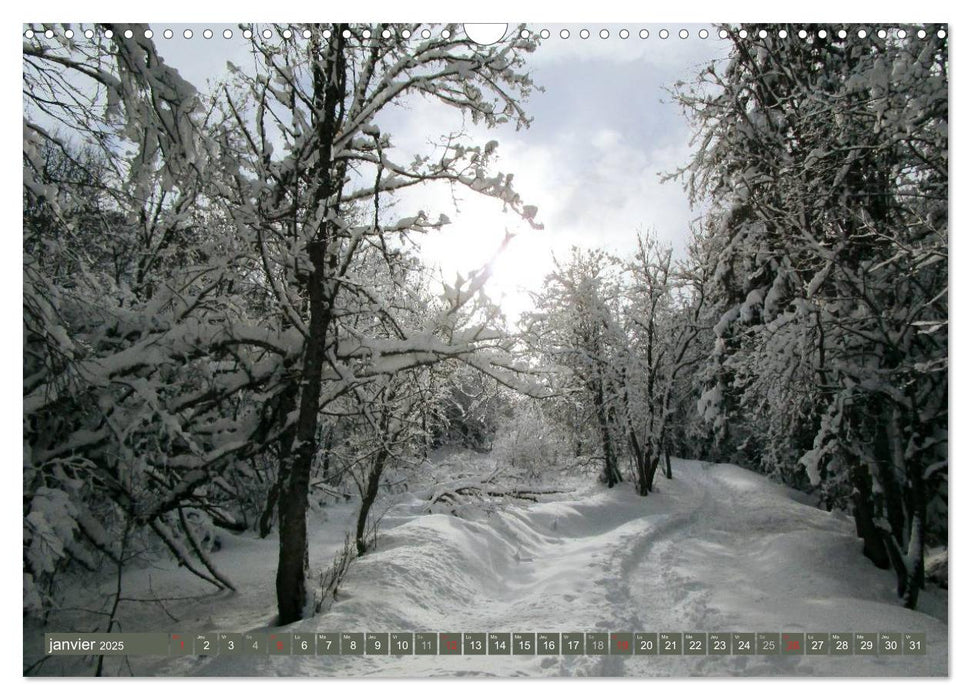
column 485, row 34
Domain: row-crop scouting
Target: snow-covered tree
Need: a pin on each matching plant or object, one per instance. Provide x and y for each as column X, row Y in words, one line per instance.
column 531, row 442
column 120, row 277
column 314, row 175
column 826, row 165
column 576, row 333
column 214, row 284
column 660, row 320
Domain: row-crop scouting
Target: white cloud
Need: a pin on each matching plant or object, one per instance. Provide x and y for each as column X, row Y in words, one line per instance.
column 651, row 51
column 605, row 139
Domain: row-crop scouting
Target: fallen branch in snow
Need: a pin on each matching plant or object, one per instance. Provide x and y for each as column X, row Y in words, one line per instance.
column 495, row 493
column 201, row 553
column 181, row 556
column 328, row 490
column 468, row 492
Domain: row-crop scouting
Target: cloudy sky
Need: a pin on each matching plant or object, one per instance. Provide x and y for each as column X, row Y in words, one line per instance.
column 603, row 129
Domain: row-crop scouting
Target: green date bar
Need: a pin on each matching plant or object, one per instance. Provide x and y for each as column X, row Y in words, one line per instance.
column 107, row 644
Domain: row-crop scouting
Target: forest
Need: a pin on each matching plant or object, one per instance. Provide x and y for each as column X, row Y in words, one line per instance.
column 229, row 327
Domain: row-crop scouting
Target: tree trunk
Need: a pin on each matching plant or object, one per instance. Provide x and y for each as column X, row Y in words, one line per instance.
column 291, row 587
column 914, row 580
column 653, row 461
column 888, row 452
column 266, row 518
column 905, row 507
column 287, row 403
column 367, row 499
column 640, row 468
column 915, row 546
column 611, row 472
column 874, row 547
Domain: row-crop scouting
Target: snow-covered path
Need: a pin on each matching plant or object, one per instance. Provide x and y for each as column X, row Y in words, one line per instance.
column 716, row 549
column 753, row 556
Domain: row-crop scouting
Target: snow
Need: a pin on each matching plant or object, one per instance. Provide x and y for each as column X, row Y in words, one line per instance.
column 717, row 548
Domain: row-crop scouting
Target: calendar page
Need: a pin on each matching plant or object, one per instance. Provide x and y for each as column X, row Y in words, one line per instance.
column 485, row 350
